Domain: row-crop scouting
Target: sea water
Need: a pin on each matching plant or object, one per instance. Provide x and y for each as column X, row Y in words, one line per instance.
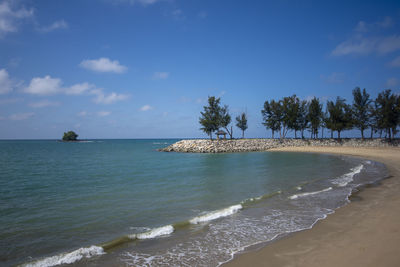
column 123, row 203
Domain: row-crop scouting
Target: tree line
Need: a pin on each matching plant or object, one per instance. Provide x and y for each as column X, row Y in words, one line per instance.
column 380, row 115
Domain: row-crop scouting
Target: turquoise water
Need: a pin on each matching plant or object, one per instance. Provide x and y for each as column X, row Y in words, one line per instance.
column 56, row 198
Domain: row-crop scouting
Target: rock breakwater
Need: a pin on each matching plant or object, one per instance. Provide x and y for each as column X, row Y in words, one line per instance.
column 248, row 145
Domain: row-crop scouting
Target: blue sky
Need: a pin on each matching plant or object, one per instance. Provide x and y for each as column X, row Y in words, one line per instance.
column 144, row 68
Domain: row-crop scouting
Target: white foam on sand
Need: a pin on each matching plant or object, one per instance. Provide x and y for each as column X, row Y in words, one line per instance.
column 310, row 193
column 348, row 177
column 216, row 214
column 67, row 258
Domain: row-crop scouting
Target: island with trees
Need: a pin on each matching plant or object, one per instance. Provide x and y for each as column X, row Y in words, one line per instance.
column 70, row 136
column 380, row 117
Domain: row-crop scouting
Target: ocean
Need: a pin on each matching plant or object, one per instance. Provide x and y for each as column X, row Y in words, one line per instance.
column 123, row 203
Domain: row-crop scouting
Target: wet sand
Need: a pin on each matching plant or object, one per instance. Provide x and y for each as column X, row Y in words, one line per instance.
column 365, row 232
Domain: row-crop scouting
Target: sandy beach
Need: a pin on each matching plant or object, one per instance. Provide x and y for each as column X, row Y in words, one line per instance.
column 365, row 232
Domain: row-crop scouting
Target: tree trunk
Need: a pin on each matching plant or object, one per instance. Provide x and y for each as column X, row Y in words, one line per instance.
column 242, row 134
column 295, row 134
column 331, row 134
column 302, row 133
column 372, row 132
column 322, row 132
column 362, row 134
column 338, row 134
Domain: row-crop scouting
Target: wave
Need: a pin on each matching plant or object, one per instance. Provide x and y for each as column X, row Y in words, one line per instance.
column 251, row 200
column 67, row 258
column 153, row 233
column 310, row 193
column 348, row 177
column 216, row 214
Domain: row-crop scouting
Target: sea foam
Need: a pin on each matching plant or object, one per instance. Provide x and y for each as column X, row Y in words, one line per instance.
column 67, row 258
column 153, row 233
column 310, row 193
column 216, row 214
column 348, row 177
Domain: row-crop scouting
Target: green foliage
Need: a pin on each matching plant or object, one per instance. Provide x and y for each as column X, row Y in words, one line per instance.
column 70, row 136
column 272, row 115
column 387, row 112
column 225, row 119
column 214, row 117
column 303, row 118
column 291, row 108
column 315, row 116
column 340, row 116
column 241, row 123
column 361, row 109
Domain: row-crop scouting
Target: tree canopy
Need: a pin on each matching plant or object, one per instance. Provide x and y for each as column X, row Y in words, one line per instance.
column 241, row 122
column 70, row 136
column 214, row 117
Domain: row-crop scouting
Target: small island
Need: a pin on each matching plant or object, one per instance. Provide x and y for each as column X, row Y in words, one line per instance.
column 70, row 136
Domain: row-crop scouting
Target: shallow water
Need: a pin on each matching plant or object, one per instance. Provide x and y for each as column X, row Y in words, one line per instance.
column 120, row 202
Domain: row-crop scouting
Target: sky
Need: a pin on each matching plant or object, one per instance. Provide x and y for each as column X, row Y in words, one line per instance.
column 144, row 68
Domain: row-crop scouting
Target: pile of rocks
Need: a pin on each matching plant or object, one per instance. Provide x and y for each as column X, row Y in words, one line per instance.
column 246, row 145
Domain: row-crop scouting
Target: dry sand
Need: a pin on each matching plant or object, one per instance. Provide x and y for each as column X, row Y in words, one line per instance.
column 362, row 233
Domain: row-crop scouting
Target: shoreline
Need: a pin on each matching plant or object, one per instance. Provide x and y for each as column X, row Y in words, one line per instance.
column 362, row 233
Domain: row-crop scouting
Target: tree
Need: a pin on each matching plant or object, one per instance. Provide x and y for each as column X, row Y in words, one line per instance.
column 361, row 109
column 214, row 117
column 315, row 116
column 272, row 115
column 340, row 116
column 291, row 108
column 302, row 118
column 70, row 136
column 210, row 117
column 225, row 120
column 241, row 122
column 387, row 112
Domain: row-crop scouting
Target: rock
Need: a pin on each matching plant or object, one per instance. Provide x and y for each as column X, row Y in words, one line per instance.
column 247, row 145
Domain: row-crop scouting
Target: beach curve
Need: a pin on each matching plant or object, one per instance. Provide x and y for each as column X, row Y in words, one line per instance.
column 364, row 233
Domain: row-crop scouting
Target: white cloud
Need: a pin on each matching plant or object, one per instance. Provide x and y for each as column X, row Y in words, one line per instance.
column 355, row 46
column 133, row 2
column 50, row 86
column 44, row 103
column 103, row 113
column 59, row 24
column 103, row 65
column 335, row 77
column 146, row 108
column 388, row 44
column 11, row 17
column 6, row 85
column 102, row 98
column 395, row 62
column 160, row 75
column 82, row 113
column 78, row 89
column 392, row 82
column 365, row 40
column 44, row 86
column 386, row 22
column 21, row 116
column 363, row 26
